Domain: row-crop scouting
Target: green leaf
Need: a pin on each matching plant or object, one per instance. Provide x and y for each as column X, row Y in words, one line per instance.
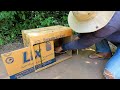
column 23, row 17
column 1, row 41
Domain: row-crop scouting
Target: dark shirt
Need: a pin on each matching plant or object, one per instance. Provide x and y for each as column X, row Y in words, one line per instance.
column 110, row 32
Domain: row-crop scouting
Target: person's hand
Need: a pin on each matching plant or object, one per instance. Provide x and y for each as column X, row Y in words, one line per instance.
column 58, row 49
column 76, row 38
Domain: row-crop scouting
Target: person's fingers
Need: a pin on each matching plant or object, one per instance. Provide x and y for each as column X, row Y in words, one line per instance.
column 76, row 38
column 58, row 49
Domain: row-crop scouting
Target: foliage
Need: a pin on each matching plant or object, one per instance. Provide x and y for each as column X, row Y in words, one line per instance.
column 12, row 22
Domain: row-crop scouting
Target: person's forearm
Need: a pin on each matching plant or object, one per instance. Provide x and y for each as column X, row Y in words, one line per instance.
column 82, row 43
column 88, row 40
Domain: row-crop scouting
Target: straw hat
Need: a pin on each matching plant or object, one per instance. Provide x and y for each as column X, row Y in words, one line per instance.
column 88, row 21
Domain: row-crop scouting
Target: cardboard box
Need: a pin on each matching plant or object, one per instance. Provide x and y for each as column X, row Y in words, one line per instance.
column 47, row 54
column 44, row 35
column 40, row 35
column 38, row 53
column 20, row 62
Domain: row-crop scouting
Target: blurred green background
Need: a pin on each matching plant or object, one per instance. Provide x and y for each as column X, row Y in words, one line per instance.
column 12, row 22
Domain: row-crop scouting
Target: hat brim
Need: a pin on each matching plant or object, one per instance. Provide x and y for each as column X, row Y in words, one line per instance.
column 101, row 19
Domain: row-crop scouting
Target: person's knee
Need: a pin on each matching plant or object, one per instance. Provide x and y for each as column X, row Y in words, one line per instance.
column 107, row 74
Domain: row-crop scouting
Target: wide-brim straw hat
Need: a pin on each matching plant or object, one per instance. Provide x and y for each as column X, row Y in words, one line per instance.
column 89, row 21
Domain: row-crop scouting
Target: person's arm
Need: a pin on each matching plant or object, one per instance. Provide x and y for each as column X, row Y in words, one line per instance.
column 87, row 40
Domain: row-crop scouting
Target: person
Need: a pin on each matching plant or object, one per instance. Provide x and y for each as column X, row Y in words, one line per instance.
column 103, row 50
column 96, row 27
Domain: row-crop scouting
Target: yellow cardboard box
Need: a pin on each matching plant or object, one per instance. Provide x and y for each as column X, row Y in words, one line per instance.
column 20, row 62
column 38, row 53
column 46, row 54
column 45, row 34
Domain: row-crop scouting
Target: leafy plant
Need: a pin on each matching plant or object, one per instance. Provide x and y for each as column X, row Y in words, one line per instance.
column 12, row 22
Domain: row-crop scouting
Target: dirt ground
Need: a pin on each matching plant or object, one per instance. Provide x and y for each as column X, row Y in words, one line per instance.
column 77, row 67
